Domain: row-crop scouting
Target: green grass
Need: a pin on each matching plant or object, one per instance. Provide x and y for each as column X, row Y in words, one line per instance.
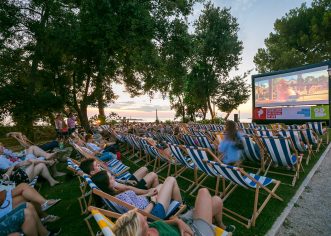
column 241, row 200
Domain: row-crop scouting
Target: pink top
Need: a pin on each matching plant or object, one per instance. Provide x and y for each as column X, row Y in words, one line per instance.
column 71, row 121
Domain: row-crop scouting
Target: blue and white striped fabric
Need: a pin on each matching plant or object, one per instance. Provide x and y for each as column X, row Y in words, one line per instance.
column 279, row 151
column 234, row 175
column 204, row 142
column 316, row 126
column 200, row 158
column 293, row 127
column 177, row 153
column 248, row 131
column 294, row 135
column 189, row 140
column 251, row 149
column 262, row 127
column 252, row 125
column 310, row 136
column 89, row 181
column 152, row 151
column 241, row 125
column 264, row 132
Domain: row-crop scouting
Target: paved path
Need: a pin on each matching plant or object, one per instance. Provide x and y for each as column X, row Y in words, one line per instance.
column 311, row 215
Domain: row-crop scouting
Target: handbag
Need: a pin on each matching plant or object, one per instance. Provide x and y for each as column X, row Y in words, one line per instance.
column 19, row 176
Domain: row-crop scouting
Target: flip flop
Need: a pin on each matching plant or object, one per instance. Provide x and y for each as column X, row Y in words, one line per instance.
column 49, row 219
column 47, row 205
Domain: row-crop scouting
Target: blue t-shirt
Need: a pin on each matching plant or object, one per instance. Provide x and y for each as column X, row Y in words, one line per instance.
column 230, row 152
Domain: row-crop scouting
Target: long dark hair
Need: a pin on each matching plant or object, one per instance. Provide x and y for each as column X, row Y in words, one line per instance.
column 101, row 179
column 231, row 129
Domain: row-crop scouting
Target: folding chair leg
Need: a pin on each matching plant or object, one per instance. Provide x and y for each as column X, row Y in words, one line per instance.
column 89, row 225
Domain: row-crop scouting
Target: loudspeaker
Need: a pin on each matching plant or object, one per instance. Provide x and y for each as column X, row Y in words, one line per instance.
column 235, row 117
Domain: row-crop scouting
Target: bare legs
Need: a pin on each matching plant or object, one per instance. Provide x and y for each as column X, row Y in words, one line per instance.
column 151, row 178
column 40, row 169
column 208, row 208
column 168, row 191
column 38, row 152
column 25, row 193
column 32, row 224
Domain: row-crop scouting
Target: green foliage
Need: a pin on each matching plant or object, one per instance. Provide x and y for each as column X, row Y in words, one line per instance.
column 301, row 37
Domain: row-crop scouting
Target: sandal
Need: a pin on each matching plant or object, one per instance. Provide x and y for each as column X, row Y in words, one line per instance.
column 49, row 219
column 47, row 204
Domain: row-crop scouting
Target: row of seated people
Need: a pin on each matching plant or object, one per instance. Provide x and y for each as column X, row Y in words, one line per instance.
column 154, row 198
column 23, row 211
column 22, row 208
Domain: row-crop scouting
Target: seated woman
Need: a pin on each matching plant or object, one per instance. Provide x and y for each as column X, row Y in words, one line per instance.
column 140, row 179
column 29, row 168
column 164, row 194
column 31, row 153
column 24, row 218
column 195, row 222
column 10, row 203
column 229, row 145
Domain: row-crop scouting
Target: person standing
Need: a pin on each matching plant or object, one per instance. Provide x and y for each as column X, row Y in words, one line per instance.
column 71, row 121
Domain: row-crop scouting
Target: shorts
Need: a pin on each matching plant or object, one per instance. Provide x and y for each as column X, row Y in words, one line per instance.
column 200, row 227
column 158, row 211
column 140, row 184
column 7, row 205
column 13, row 221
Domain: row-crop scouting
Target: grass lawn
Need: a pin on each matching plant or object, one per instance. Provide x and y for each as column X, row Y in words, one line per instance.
column 241, row 200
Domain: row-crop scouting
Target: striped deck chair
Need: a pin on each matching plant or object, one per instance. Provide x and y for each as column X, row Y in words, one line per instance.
column 280, row 154
column 311, row 138
column 262, row 127
column 106, row 225
column 264, row 132
column 118, row 207
column 200, row 156
column 318, row 128
column 158, row 157
column 241, row 125
column 238, row 177
column 252, row 125
column 298, row 143
column 205, row 143
column 189, row 140
column 293, row 127
column 187, row 164
column 248, row 131
column 115, row 166
column 252, row 151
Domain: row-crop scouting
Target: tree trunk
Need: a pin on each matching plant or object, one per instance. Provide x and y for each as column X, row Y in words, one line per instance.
column 212, row 114
column 227, row 115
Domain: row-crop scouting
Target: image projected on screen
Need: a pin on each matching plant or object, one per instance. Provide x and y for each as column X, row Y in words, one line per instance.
column 305, row 87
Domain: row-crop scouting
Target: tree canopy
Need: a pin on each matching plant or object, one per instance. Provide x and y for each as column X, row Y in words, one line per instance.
column 301, row 37
column 65, row 55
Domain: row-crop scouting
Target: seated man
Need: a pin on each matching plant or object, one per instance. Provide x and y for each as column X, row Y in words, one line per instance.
column 141, row 178
column 195, row 222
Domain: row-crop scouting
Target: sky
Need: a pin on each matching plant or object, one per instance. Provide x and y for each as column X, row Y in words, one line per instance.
column 256, row 19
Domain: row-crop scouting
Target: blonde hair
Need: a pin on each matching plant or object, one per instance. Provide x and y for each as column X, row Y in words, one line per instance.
column 128, row 225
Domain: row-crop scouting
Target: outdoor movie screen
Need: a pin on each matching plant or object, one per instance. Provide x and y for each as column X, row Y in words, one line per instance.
column 304, row 87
